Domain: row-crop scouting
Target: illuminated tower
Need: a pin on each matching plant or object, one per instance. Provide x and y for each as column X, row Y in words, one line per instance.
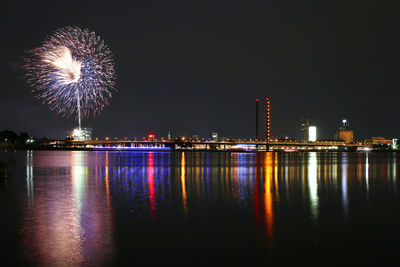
column 304, row 130
column 257, row 119
column 345, row 125
column 268, row 122
column 345, row 133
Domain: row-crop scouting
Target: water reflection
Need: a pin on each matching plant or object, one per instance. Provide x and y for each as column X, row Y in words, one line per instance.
column 313, row 184
column 367, row 173
column 71, row 199
column 67, row 224
column 29, row 176
column 256, row 197
column 78, row 181
column 344, row 185
column 183, row 183
column 268, row 197
column 394, row 169
column 150, row 179
column 106, row 179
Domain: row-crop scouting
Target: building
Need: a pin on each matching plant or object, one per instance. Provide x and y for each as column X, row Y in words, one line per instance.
column 345, row 133
column 214, row 136
column 346, row 136
column 379, row 141
column 304, row 130
column 312, row 133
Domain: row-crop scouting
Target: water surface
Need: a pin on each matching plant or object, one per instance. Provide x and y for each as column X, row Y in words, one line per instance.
column 84, row 208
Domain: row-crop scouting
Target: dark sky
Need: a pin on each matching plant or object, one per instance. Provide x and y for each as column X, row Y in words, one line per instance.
column 192, row 67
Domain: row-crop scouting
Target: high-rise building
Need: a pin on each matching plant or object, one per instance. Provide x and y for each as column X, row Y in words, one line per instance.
column 304, row 130
column 345, row 133
column 214, row 136
column 312, row 133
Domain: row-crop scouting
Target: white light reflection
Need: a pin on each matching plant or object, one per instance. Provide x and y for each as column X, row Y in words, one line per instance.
column 286, row 169
column 78, row 180
column 313, row 184
column 29, row 176
column 344, row 186
column 334, row 172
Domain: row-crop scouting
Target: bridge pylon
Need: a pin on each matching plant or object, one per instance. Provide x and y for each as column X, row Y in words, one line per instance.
column 268, row 123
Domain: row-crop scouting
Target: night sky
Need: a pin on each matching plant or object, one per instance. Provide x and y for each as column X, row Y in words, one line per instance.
column 193, row 67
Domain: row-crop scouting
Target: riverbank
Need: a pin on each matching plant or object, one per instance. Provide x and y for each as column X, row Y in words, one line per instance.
column 157, row 149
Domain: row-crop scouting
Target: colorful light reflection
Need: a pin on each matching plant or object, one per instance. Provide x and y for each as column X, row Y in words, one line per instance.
column 66, row 225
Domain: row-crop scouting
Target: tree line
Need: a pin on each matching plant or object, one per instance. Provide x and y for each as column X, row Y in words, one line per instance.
column 11, row 137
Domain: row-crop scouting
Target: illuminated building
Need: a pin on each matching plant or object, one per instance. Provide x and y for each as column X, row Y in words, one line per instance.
column 214, row 136
column 345, row 133
column 378, row 141
column 394, row 143
column 312, row 133
column 304, row 130
column 151, row 136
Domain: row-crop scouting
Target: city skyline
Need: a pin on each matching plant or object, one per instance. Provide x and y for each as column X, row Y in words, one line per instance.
column 193, row 69
column 219, row 133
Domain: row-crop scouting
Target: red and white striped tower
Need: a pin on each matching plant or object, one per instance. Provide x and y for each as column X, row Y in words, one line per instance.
column 268, row 122
column 257, row 119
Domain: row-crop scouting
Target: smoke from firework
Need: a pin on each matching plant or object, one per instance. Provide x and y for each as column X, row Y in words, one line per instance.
column 71, row 65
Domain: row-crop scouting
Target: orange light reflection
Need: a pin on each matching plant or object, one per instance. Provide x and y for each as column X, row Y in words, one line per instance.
column 268, row 199
column 183, row 177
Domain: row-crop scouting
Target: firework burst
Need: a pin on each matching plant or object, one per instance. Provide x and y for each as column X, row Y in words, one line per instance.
column 72, row 71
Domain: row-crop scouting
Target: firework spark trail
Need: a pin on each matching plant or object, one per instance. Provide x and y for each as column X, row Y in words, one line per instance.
column 72, row 64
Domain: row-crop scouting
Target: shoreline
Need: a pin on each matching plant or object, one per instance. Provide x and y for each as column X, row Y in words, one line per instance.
column 50, row 148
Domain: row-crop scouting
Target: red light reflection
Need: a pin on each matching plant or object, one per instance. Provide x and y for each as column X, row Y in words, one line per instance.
column 150, row 177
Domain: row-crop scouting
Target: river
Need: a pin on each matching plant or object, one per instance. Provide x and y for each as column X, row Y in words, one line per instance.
column 87, row 208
